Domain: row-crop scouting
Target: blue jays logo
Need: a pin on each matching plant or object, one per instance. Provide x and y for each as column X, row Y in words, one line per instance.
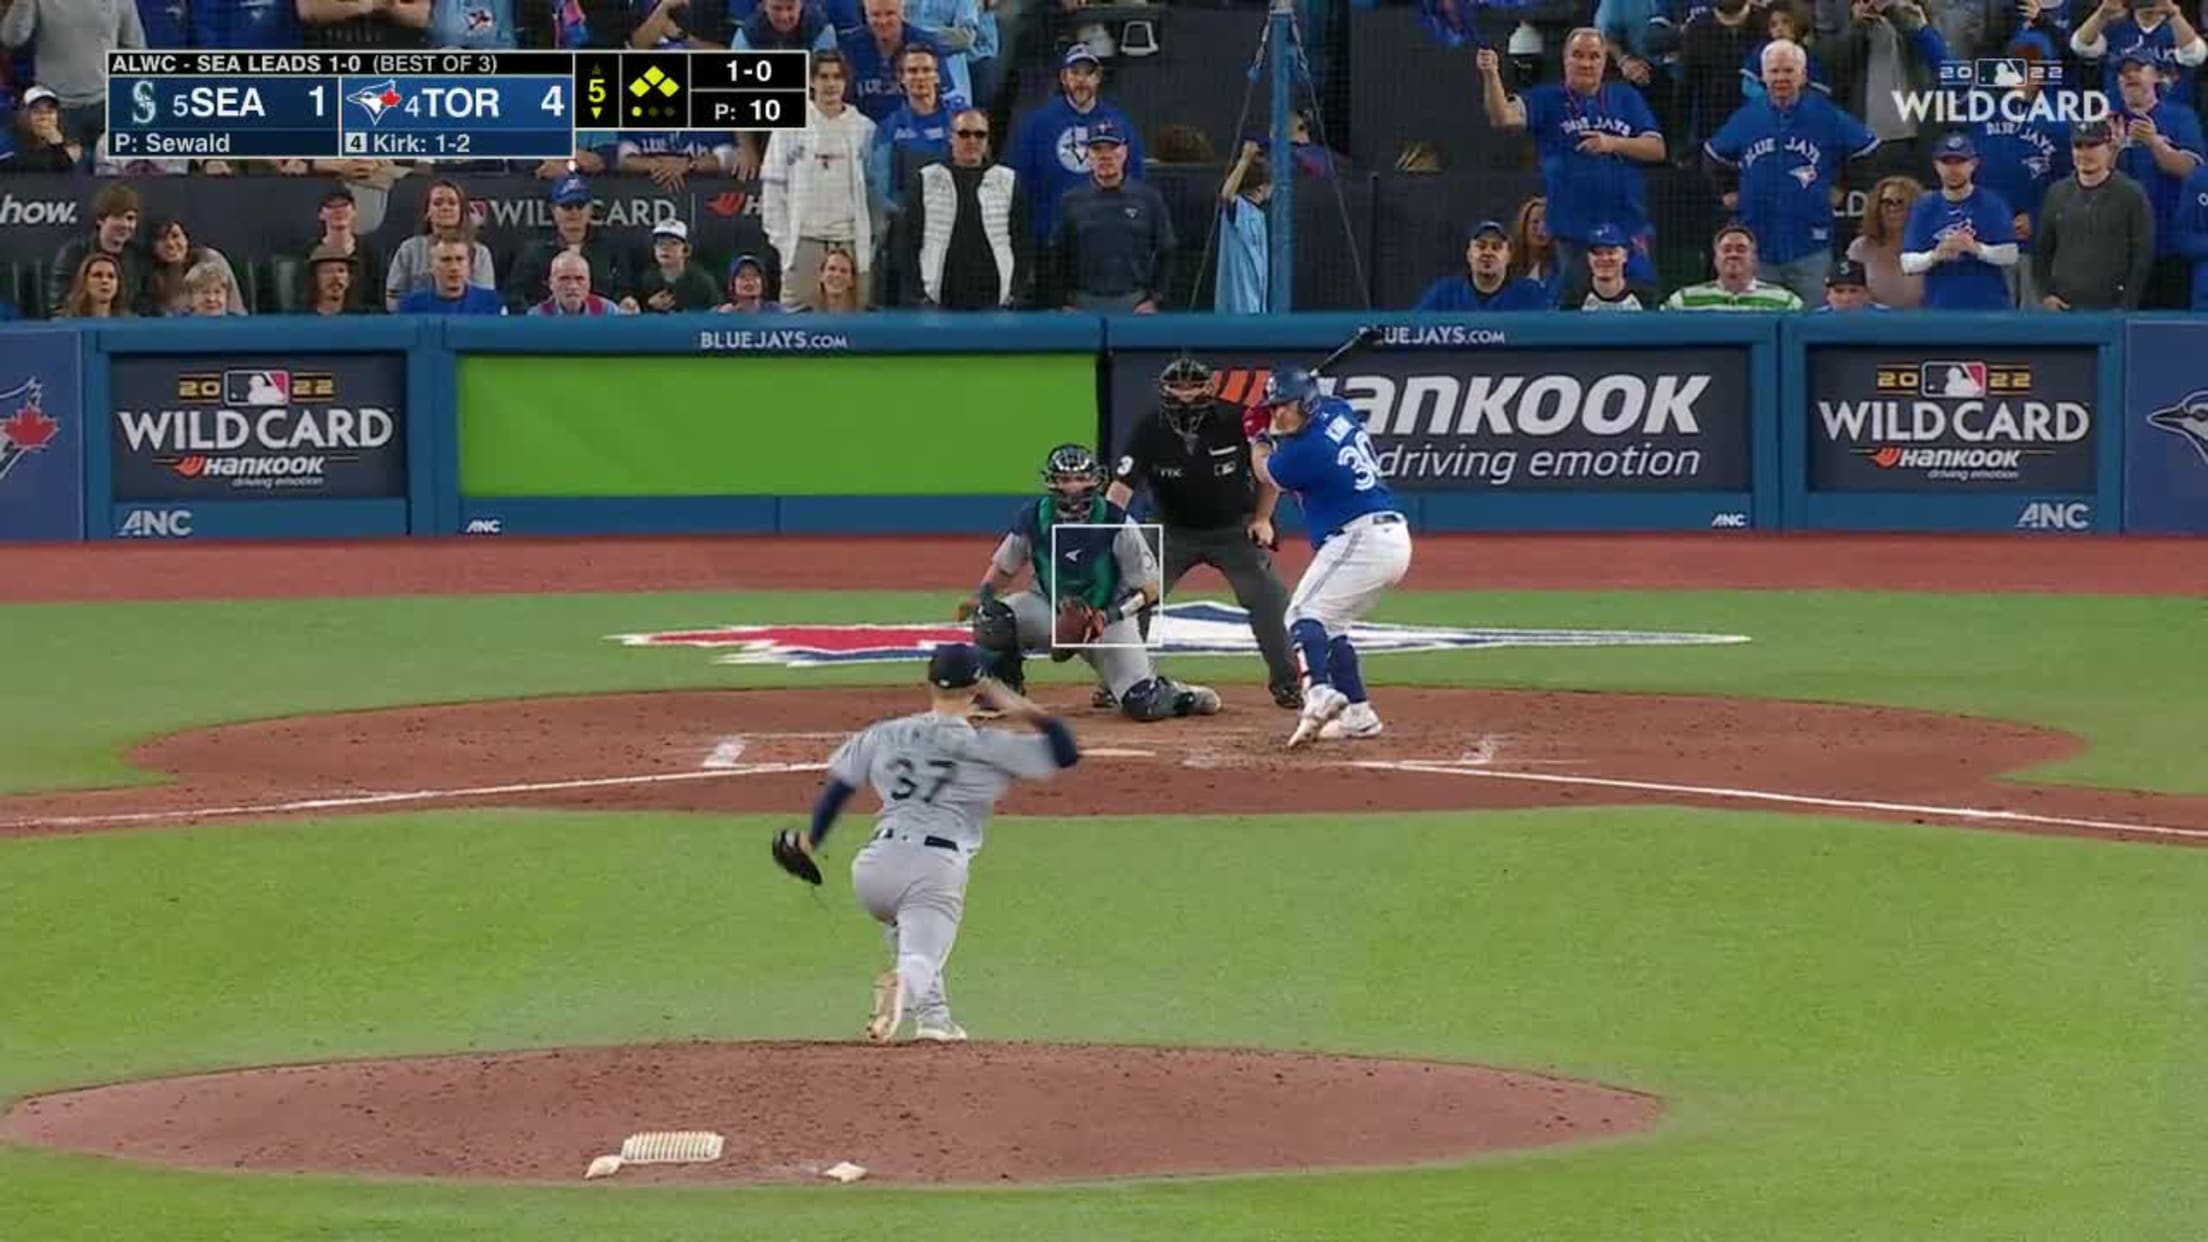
column 26, row 429
column 2188, row 419
column 1073, row 148
column 479, row 21
column 377, row 98
column 1199, row 628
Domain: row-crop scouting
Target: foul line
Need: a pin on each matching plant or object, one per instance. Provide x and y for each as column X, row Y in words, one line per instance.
column 412, row 795
column 1766, row 795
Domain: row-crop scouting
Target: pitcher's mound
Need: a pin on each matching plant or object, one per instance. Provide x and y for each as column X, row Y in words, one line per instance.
column 908, row 1113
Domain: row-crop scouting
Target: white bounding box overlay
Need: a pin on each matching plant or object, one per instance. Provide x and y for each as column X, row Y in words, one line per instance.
column 1153, row 534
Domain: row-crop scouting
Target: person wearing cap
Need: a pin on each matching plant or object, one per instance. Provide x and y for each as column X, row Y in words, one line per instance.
column 1737, row 287
column 813, row 186
column 529, row 283
column 452, row 289
column 114, row 233
column 939, row 779
column 964, row 243
column 1605, row 284
column 330, row 283
column 876, row 56
column 1595, row 139
column 70, row 40
column 1961, row 237
column 1051, row 154
column 340, row 216
column 2018, row 159
column 571, row 290
column 673, row 284
column 1112, row 248
column 1485, row 284
column 39, row 145
column 1779, row 160
column 2153, row 31
column 1848, row 288
column 2095, row 245
column 2158, row 144
column 747, row 289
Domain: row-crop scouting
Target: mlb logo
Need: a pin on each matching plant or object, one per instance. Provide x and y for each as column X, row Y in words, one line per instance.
column 1952, row 379
column 2003, row 73
column 256, row 388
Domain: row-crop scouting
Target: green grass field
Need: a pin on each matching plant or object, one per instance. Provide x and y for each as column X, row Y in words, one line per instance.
column 1864, row 1031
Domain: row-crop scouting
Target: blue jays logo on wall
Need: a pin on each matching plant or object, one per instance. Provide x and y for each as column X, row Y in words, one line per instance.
column 1192, row 629
column 2188, row 420
column 24, row 426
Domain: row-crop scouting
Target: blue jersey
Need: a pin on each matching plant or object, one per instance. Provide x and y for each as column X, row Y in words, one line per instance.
column 2192, row 232
column 1788, row 158
column 2125, row 39
column 2181, row 125
column 1052, row 155
column 165, row 23
column 475, row 25
column 1967, row 283
column 876, row 90
column 2018, row 160
column 689, row 142
column 1331, row 468
column 904, row 143
column 1587, row 190
column 248, row 25
column 1457, row 293
column 477, row 300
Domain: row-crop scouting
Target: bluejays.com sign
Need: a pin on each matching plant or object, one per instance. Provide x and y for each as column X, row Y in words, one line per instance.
column 1517, row 420
column 259, row 429
column 1986, row 420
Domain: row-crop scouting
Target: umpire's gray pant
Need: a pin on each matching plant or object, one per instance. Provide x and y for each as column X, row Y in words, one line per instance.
column 1248, row 569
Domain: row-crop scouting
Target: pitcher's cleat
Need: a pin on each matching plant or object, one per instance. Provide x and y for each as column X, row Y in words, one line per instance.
column 889, row 1008
column 948, row 1033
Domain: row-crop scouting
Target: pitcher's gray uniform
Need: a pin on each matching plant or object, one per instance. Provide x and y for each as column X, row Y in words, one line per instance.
column 939, row 779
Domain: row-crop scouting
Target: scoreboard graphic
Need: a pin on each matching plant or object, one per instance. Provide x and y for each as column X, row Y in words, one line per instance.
column 433, row 105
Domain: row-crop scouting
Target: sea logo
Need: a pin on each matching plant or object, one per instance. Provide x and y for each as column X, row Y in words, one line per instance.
column 377, row 98
column 1198, row 628
column 27, row 429
column 2188, row 420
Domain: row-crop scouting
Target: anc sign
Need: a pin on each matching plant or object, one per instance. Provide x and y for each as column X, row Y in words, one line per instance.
column 1191, row 629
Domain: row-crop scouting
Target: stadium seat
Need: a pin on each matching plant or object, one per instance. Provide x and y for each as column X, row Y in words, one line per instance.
column 29, row 287
column 286, row 291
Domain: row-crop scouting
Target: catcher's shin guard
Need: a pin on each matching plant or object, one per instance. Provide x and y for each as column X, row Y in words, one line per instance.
column 997, row 637
column 1162, row 698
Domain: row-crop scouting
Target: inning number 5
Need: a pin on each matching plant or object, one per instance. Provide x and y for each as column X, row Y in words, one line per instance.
column 1357, row 455
column 941, row 770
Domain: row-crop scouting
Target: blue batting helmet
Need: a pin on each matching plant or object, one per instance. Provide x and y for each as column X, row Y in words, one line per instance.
column 1291, row 386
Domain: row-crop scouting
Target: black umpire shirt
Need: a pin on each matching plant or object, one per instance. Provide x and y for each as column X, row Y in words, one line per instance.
column 1196, row 468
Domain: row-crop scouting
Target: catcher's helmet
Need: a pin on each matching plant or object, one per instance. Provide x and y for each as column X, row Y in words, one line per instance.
column 1290, row 386
column 1073, row 475
column 1185, row 383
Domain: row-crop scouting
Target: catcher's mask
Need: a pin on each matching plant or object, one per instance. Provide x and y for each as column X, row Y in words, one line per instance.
column 1185, row 384
column 1074, row 477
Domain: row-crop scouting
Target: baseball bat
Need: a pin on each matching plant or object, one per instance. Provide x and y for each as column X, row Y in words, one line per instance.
column 1365, row 337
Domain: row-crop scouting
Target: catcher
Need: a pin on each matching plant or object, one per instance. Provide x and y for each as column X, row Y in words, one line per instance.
column 939, row 779
column 1103, row 576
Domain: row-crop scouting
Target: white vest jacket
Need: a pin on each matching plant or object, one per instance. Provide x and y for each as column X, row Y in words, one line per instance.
column 939, row 204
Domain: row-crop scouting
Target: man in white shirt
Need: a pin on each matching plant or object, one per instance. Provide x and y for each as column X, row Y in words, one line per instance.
column 813, row 186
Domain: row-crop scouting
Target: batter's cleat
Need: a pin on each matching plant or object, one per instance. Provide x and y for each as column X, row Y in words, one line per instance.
column 948, row 1033
column 1358, row 720
column 1202, row 700
column 1320, row 705
column 889, row 1008
column 1103, row 700
column 1289, row 697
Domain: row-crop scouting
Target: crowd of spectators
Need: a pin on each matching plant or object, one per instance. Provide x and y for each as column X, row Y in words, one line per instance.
column 909, row 186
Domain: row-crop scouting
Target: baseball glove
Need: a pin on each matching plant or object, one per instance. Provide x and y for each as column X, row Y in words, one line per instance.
column 1079, row 624
column 791, row 857
column 1257, row 422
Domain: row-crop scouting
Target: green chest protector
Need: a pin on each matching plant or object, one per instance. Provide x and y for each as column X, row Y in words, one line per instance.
column 1086, row 566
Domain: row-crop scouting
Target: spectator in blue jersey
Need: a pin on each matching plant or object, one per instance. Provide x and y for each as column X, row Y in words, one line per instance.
column 445, row 211
column 1594, row 139
column 2192, row 233
column 166, row 23
column 1780, row 160
column 675, row 24
column 1961, row 237
column 918, row 133
column 876, row 54
column 786, row 25
column 1243, row 272
column 1848, row 288
column 452, row 290
column 2155, row 31
column 1052, row 154
column 1485, row 284
column 71, row 39
column 256, row 25
column 2159, row 144
column 2019, row 159
column 670, row 159
column 954, row 26
column 472, row 25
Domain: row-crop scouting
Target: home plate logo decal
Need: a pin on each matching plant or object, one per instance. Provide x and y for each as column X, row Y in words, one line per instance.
column 1192, row 629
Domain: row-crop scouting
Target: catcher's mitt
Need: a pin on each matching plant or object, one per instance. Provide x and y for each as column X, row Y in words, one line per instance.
column 1079, row 624
column 791, row 857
